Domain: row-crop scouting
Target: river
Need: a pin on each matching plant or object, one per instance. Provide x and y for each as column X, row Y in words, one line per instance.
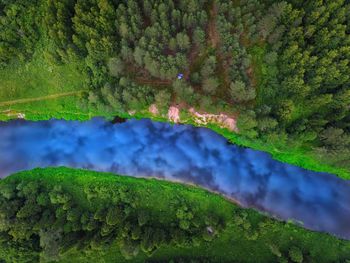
column 182, row 153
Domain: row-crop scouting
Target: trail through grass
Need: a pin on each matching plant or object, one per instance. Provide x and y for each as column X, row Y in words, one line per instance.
column 48, row 97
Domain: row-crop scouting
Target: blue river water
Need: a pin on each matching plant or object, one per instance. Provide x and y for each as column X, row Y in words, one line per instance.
column 182, row 153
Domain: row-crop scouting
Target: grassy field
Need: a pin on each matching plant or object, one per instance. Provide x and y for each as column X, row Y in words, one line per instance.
column 248, row 236
column 38, row 78
column 59, row 108
column 41, row 90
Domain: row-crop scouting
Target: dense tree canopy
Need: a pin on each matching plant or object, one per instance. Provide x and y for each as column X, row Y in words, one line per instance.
column 66, row 215
column 46, row 219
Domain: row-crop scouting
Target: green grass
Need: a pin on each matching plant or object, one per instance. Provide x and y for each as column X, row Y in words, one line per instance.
column 59, row 108
column 38, row 78
column 284, row 153
column 234, row 243
column 259, row 68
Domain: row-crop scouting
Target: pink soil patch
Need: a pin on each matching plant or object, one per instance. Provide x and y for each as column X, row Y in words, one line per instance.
column 222, row 119
column 153, row 109
column 230, row 123
column 174, row 114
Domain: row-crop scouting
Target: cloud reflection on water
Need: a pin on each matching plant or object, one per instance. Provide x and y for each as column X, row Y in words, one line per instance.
column 182, row 153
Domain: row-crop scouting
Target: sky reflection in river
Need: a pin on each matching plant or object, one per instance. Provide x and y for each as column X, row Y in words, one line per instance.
column 182, row 153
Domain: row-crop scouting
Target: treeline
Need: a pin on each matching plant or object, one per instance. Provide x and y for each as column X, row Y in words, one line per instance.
column 61, row 214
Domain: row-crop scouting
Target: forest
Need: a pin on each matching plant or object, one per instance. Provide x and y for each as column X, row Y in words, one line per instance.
column 67, row 215
column 280, row 67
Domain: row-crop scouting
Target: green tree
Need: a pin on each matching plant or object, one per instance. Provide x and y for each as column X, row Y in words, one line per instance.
column 240, row 93
column 183, row 91
column 285, row 110
column 247, row 123
column 139, row 54
column 114, row 216
column 50, row 242
column 115, row 66
column 162, row 100
column 296, row 254
column 183, row 41
column 210, row 85
column 199, row 37
column 143, row 217
column 208, row 67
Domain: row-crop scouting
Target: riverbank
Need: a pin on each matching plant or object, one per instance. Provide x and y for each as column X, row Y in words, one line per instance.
column 66, row 108
column 241, row 235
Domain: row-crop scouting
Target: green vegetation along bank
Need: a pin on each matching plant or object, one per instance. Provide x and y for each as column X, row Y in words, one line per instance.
column 66, row 215
column 281, row 68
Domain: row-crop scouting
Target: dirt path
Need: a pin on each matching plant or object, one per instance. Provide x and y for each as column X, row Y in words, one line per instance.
column 212, row 30
column 156, row 82
column 214, row 41
column 48, row 97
